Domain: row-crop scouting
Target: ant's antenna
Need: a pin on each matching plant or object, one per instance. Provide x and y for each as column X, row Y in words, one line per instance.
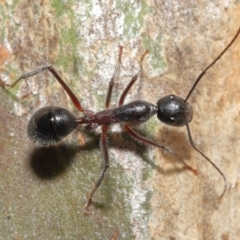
column 187, row 125
column 207, row 158
column 205, row 70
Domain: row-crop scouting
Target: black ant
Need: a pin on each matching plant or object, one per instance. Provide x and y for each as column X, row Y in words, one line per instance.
column 50, row 125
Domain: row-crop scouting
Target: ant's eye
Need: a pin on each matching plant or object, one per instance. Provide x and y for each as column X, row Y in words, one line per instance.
column 173, row 120
column 174, row 111
column 50, row 125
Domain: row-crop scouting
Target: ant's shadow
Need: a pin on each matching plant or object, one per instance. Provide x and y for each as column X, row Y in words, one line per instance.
column 179, row 143
column 172, row 139
column 50, row 162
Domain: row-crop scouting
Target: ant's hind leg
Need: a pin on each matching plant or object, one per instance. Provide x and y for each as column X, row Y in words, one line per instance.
column 103, row 144
column 115, row 75
column 150, row 142
column 72, row 96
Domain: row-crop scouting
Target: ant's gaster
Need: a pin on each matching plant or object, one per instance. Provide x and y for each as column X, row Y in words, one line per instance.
column 50, row 125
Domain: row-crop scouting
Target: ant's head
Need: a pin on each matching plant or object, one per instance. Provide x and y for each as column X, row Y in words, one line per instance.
column 50, row 125
column 174, row 111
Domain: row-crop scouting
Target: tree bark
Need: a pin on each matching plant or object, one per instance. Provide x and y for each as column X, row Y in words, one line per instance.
column 147, row 193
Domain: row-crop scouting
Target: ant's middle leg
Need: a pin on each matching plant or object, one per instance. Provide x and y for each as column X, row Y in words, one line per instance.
column 103, row 143
column 134, row 79
column 72, row 96
column 150, row 142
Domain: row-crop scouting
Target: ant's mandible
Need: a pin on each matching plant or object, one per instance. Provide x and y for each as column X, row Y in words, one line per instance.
column 50, row 125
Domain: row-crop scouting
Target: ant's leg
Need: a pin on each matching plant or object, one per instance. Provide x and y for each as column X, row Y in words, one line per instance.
column 116, row 73
column 55, row 74
column 134, row 79
column 103, row 144
column 208, row 159
column 147, row 141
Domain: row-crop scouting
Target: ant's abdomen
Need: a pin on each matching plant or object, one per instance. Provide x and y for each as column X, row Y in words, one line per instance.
column 50, row 125
column 135, row 112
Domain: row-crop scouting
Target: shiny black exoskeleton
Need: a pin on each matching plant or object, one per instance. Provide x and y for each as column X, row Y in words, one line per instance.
column 174, row 111
column 50, row 125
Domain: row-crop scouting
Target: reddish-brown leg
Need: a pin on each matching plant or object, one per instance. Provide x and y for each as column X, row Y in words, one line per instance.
column 111, row 83
column 103, row 143
column 134, row 79
column 150, row 142
column 73, row 97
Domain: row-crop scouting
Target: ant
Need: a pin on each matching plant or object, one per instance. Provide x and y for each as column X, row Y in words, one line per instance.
column 50, row 124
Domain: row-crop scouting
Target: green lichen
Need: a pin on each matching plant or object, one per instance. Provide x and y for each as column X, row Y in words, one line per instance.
column 134, row 13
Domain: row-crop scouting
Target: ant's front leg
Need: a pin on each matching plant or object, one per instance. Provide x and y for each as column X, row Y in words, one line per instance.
column 72, row 96
column 103, row 144
column 134, row 79
column 150, row 142
column 115, row 75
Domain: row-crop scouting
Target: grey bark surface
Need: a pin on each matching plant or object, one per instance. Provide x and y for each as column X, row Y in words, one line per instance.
column 146, row 194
